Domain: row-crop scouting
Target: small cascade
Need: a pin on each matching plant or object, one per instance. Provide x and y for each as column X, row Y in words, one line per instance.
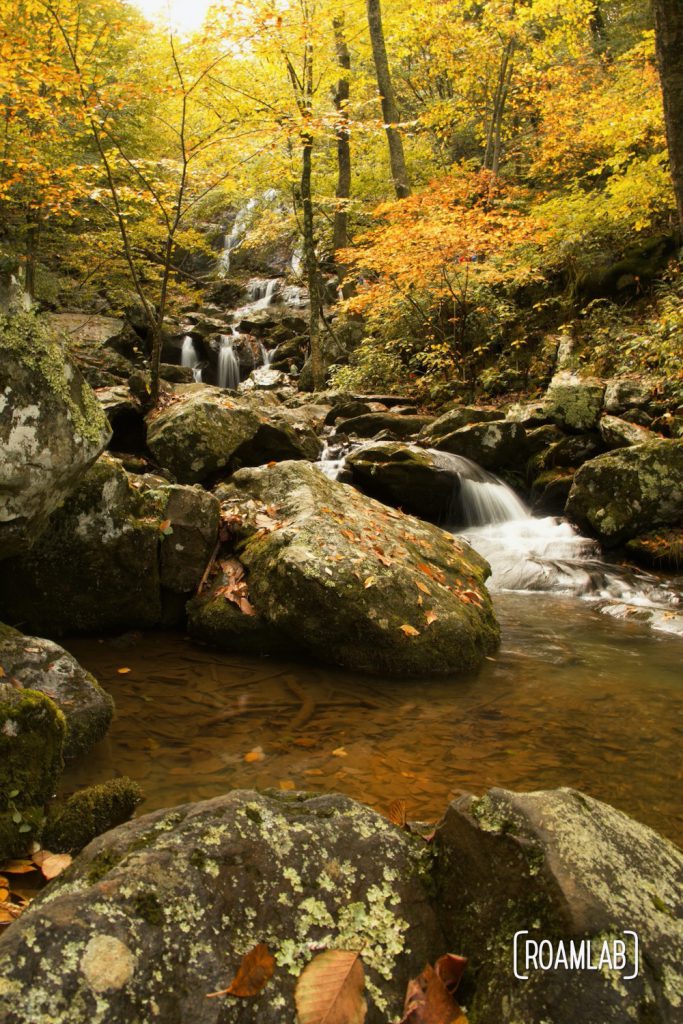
column 548, row 554
column 332, row 460
column 266, row 354
column 190, row 358
column 236, row 235
column 228, row 364
column 262, row 291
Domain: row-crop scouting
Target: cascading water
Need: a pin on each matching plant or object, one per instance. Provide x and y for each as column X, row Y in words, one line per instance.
column 547, row 554
column 228, row 363
column 266, row 354
column 189, row 357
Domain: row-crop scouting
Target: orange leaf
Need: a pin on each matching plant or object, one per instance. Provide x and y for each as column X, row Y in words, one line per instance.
column 54, row 864
column 330, row 989
column 409, row 630
column 18, row 867
column 254, row 755
column 431, row 617
column 253, row 974
column 123, row 671
column 397, row 812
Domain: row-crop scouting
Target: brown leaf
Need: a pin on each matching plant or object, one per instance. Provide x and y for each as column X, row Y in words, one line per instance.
column 431, row 616
column 18, row 867
column 253, row 974
column 123, row 671
column 330, row 989
column 409, row 630
column 429, row 997
column 369, row 582
column 450, row 967
column 470, row 597
column 54, row 864
column 421, row 586
column 397, row 812
column 254, row 755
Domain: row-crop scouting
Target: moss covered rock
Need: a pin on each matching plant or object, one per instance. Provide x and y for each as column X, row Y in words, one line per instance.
column 205, row 431
column 87, row 814
column 658, row 549
column 496, row 445
column 189, row 519
column 369, row 424
column 626, row 492
column 356, row 583
column 32, row 731
column 454, row 419
column 618, row 433
column 158, row 913
column 41, row 665
column 574, row 402
column 563, row 867
column 51, row 429
column 420, row 482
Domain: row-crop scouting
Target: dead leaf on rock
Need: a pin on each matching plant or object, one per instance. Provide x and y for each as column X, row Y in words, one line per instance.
column 369, row 582
column 409, row 630
column 431, row 617
column 18, row 867
column 253, row 974
column 123, row 671
column 235, row 589
column 330, row 989
column 54, row 864
column 430, row 997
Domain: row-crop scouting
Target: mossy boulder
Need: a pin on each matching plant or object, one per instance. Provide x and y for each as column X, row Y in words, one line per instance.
column 189, row 520
column 574, row 402
column 570, row 451
column 629, row 491
column 624, row 393
column 563, row 867
column 32, row 730
column 550, row 490
column 73, row 824
column 369, row 424
column 658, row 549
column 356, row 583
column 496, row 445
column 205, row 432
column 157, row 914
column 51, row 429
column 618, row 433
column 37, row 664
column 418, row 481
column 454, row 419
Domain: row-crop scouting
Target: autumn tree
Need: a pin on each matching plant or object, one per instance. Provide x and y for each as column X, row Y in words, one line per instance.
column 341, row 102
column 669, row 32
column 390, row 114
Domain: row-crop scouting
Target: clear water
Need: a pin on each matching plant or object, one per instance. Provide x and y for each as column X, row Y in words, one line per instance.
column 228, row 364
column 571, row 699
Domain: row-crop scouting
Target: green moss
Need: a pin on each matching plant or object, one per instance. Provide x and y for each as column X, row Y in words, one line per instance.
column 87, row 814
column 147, row 906
column 32, row 731
column 13, row 842
column 101, row 865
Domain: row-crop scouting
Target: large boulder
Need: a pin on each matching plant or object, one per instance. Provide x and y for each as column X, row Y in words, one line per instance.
column 118, row 544
column 454, row 419
column 496, row 445
column 51, row 430
column 371, row 423
column 157, row 914
column 574, row 402
column 563, row 868
column 205, row 431
column 629, row 491
column 356, row 583
column 618, row 433
column 37, row 664
column 421, row 482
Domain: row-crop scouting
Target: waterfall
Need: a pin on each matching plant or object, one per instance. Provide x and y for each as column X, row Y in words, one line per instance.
column 262, row 292
column 266, row 354
column 189, row 357
column 228, row 364
column 236, row 235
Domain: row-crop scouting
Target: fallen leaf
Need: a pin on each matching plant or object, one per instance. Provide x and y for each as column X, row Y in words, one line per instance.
column 123, row 671
column 286, row 784
column 2, row 672
column 253, row 974
column 369, row 582
column 4, row 893
column 397, row 812
column 420, row 586
column 430, row 997
column 165, row 527
column 330, row 989
column 339, row 752
column 54, row 864
column 254, row 755
column 409, row 630
column 470, row 597
column 431, row 617
column 18, row 867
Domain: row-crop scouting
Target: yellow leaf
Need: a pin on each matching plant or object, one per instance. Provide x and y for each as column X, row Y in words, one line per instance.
column 339, row 752
column 409, row 630
column 123, row 671
column 431, row 617
column 370, row 582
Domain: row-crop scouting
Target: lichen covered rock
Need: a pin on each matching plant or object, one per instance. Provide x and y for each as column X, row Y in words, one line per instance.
column 356, row 583
column 495, row 445
column 157, row 914
column 560, row 866
column 369, row 424
column 51, row 430
column 630, row 491
column 206, row 431
column 41, row 665
column 574, row 402
column 618, row 433
column 454, row 419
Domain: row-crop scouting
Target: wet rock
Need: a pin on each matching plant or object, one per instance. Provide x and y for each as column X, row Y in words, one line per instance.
column 189, row 519
column 346, row 409
column 176, row 374
column 618, row 433
column 342, row 575
column 658, row 549
column 206, row 431
column 492, row 445
column 550, row 490
column 158, row 913
column 540, row 438
column 97, row 567
column 454, row 419
column 51, row 430
column 570, row 451
column 371, row 423
column 37, row 664
column 421, row 482
column 560, row 866
column 574, row 402
column 629, row 491
column 263, row 378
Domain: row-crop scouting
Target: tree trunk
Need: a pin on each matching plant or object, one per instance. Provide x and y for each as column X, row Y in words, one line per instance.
column 669, row 35
column 341, row 98
column 494, row 134
column 311, row 264
column 389, row 110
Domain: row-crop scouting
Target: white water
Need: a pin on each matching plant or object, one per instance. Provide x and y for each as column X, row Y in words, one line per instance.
column 189, row 357
column 266, row 354
column 228, row 364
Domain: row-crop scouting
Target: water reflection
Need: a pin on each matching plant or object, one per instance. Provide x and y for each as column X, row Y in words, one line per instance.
column 571, row 699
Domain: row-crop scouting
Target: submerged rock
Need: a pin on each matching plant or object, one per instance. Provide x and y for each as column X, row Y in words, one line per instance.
column 420, row 482
column 563, row 867
column 630, row 491
column 353, row 582
column 37, row 664
column 157, row 914
column 207, row 431
column 51, row 430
